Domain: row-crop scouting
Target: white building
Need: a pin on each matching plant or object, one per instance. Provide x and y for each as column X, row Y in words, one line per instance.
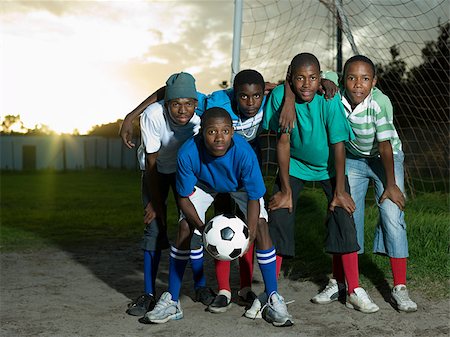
column 64, row 153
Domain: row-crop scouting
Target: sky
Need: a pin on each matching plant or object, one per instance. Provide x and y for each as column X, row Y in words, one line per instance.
column 74, row 64
column 71, row 65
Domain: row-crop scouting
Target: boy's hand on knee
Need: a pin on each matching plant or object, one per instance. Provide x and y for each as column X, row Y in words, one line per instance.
column 395, row 195
column 281, row 200
column 343, row 200
column 149, row 213
column 251, row 238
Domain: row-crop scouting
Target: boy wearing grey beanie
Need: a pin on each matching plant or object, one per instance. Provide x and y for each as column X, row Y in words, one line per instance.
column 165, row 125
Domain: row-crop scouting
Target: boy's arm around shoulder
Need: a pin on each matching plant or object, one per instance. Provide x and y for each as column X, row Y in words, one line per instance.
column 126, row 129
column 273, row 109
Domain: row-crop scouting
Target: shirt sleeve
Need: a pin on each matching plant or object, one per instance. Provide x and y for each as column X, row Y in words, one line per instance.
column 331, row 76
column 152, row 121
column 185, row 177
column 220, row 99
column 273, row 109
column 201, row 103
column 384, row 120
column 339, row 129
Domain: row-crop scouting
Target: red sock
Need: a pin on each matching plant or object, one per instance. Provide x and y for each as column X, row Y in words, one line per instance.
column 279, row 261
column 246, row 268
column 350, row 264
column 223, row 274
column 338, row 268
column 398, row 266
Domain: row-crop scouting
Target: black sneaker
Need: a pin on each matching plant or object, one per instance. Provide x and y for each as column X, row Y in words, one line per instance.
column 204, row 295
column 220, row 304
column 248, row 299
column 141, row 305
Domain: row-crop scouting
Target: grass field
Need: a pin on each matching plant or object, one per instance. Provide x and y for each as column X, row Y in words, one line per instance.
column 86, row 208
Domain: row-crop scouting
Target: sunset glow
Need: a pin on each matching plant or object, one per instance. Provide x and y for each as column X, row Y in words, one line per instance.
column 72, row 65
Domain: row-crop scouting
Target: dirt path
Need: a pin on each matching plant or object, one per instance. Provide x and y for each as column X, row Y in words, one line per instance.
column 85, row 293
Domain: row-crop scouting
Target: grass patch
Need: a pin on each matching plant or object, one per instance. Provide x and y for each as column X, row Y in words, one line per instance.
column 88, row 208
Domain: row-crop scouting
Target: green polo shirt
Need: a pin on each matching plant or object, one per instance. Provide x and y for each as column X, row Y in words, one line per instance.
column 320, row 123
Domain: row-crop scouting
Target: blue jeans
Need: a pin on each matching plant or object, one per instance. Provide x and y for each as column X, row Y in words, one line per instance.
column 390, row 233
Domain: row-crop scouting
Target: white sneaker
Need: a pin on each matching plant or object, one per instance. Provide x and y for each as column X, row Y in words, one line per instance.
column 361, row 301
column 400, row 296
column 332, row 292
column 165, row 310
column 276, row 312
column 255, row 311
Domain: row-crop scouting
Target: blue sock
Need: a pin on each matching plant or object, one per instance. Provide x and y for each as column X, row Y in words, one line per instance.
column 267, row 263
column 177, row 266
column 151, row 264
column 197, row 267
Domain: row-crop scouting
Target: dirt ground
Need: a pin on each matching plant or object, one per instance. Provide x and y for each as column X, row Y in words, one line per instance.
column 85, row 293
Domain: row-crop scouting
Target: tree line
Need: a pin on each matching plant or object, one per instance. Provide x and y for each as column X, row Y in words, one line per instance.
column 419, row 95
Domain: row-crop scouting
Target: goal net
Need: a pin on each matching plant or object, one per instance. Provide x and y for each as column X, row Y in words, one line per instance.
column 408, row 40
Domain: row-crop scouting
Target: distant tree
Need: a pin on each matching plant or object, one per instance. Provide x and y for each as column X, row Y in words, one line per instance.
column 394, row 72
column 422, row 93
column 12, row 124
column 40, row 130
column 111, row 130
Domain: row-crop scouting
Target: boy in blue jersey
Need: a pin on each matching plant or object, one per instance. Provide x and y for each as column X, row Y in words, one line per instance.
column 315, row 151
column 165, row 125
column 245, row 104
column 218, row 161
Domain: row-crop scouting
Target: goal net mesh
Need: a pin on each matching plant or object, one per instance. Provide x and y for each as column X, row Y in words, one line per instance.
column 406, row 39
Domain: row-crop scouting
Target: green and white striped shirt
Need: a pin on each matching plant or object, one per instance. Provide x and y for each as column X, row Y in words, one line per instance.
column 372, row 122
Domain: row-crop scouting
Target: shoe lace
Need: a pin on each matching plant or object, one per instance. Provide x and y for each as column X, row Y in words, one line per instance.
column 276, row 302
column 403, row 295
column 330, row 289
column 260, row 310
column 163, row 303
column 364, row 297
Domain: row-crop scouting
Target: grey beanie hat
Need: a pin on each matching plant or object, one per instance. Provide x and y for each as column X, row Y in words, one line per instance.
column 180, row 85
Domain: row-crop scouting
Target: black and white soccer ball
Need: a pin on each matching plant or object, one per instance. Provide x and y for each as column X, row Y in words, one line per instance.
column 225, row 237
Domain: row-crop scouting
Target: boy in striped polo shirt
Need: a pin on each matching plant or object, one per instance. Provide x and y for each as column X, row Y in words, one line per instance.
column 375, row 155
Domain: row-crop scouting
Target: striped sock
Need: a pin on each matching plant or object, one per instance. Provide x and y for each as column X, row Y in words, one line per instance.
column 177, row 266
column 197, row 267
column 267, row 263
column 151, row 264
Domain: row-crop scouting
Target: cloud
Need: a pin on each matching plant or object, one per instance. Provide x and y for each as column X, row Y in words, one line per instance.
column 81, row 63
column 201, row 43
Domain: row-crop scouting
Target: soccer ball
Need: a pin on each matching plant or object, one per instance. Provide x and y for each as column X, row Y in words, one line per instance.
column 225, row 237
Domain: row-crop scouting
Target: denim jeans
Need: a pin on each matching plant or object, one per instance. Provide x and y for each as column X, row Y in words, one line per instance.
column 390, row 233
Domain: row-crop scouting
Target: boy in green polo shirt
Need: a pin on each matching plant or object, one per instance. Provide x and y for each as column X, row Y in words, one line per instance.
column 314, row 151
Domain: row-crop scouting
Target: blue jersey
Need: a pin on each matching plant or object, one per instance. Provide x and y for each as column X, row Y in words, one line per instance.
column 237, row 169
column 249, row 128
